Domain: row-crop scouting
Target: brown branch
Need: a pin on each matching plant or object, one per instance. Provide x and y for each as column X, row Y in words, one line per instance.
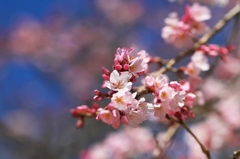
column 236, row 154
column 205, row 38
column 166, row 138
column 180, row 122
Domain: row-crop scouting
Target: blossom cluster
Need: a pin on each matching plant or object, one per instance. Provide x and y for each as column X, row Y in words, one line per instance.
column 171, row 98
column 129, row 64
column 182, row 32
column 199, row 62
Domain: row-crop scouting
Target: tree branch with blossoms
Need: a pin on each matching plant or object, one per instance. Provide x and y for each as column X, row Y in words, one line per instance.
column 207, row 37
column 173, row 100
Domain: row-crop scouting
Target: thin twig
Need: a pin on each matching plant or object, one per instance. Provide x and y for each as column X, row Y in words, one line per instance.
column 180, row 122
column 166, row 138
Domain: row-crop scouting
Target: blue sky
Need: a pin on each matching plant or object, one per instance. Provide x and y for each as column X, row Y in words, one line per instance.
column 11, row 10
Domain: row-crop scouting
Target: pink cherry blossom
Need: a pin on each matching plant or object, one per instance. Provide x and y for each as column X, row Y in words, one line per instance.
column 137, row 112
column 178, row 100
column 160, row 111
column 136, row 67
column 176, row 32
column 105, row 115
column 118, row 82
column 149, row 81
column 189, row 99
column 155, row 83
column 132, row 61
column 122, row 99
column 166, row 93
column 199, row 13
column 200, row 61
column 192, row 70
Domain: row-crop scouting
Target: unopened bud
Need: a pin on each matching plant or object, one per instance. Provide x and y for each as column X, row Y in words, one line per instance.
column 110, row 107
column 118, row 67
column 97, row 92
column 124, row 119
column 105, row 71
column 126, row 66
column 105, row 77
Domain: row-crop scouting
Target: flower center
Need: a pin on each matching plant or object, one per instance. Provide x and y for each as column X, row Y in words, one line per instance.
column 164, row 94
column 132, row 68
column 191, row 71
column 118, row 99
column 118, row 85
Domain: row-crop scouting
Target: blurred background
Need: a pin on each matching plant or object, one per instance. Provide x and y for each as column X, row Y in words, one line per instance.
column 51, row 52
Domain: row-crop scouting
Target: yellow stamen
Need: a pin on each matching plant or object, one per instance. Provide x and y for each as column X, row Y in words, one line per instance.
column 119, row 99
column 132, row 68
column 191, row 71
column 164, row 94
column 118, row 85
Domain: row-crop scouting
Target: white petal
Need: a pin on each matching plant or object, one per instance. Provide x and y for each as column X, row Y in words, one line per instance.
column 114, row 76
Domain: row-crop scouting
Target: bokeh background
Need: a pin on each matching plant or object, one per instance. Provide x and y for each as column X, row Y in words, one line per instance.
column 51, row 52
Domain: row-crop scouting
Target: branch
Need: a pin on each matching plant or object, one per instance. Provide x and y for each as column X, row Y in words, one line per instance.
column 205, row 38
column 166, row 138
column 180, row 122
column 236, row 154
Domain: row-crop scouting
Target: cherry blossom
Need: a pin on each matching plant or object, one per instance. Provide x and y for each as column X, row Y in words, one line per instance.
column 105, row 115
column 200, row 61
column 176, row 32
column 172, row 98
column 118, row 82
column 132, row 61
column 199, row 13
column 181, row 33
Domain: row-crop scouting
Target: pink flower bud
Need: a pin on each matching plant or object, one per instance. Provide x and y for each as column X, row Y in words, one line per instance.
column 95, row 105
column 189, row 99
column 100, row 98
column 175, row 85
column 105, row 71
column 124, row 119
column 98, row 117
column 214, row 47
column 204, row 48
column 118, row 67
column 126, row 66
column 110, row 107
column 224, row 51
column 97, row 92
column 105, row 77
column 79, row 123
column 95, row 98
